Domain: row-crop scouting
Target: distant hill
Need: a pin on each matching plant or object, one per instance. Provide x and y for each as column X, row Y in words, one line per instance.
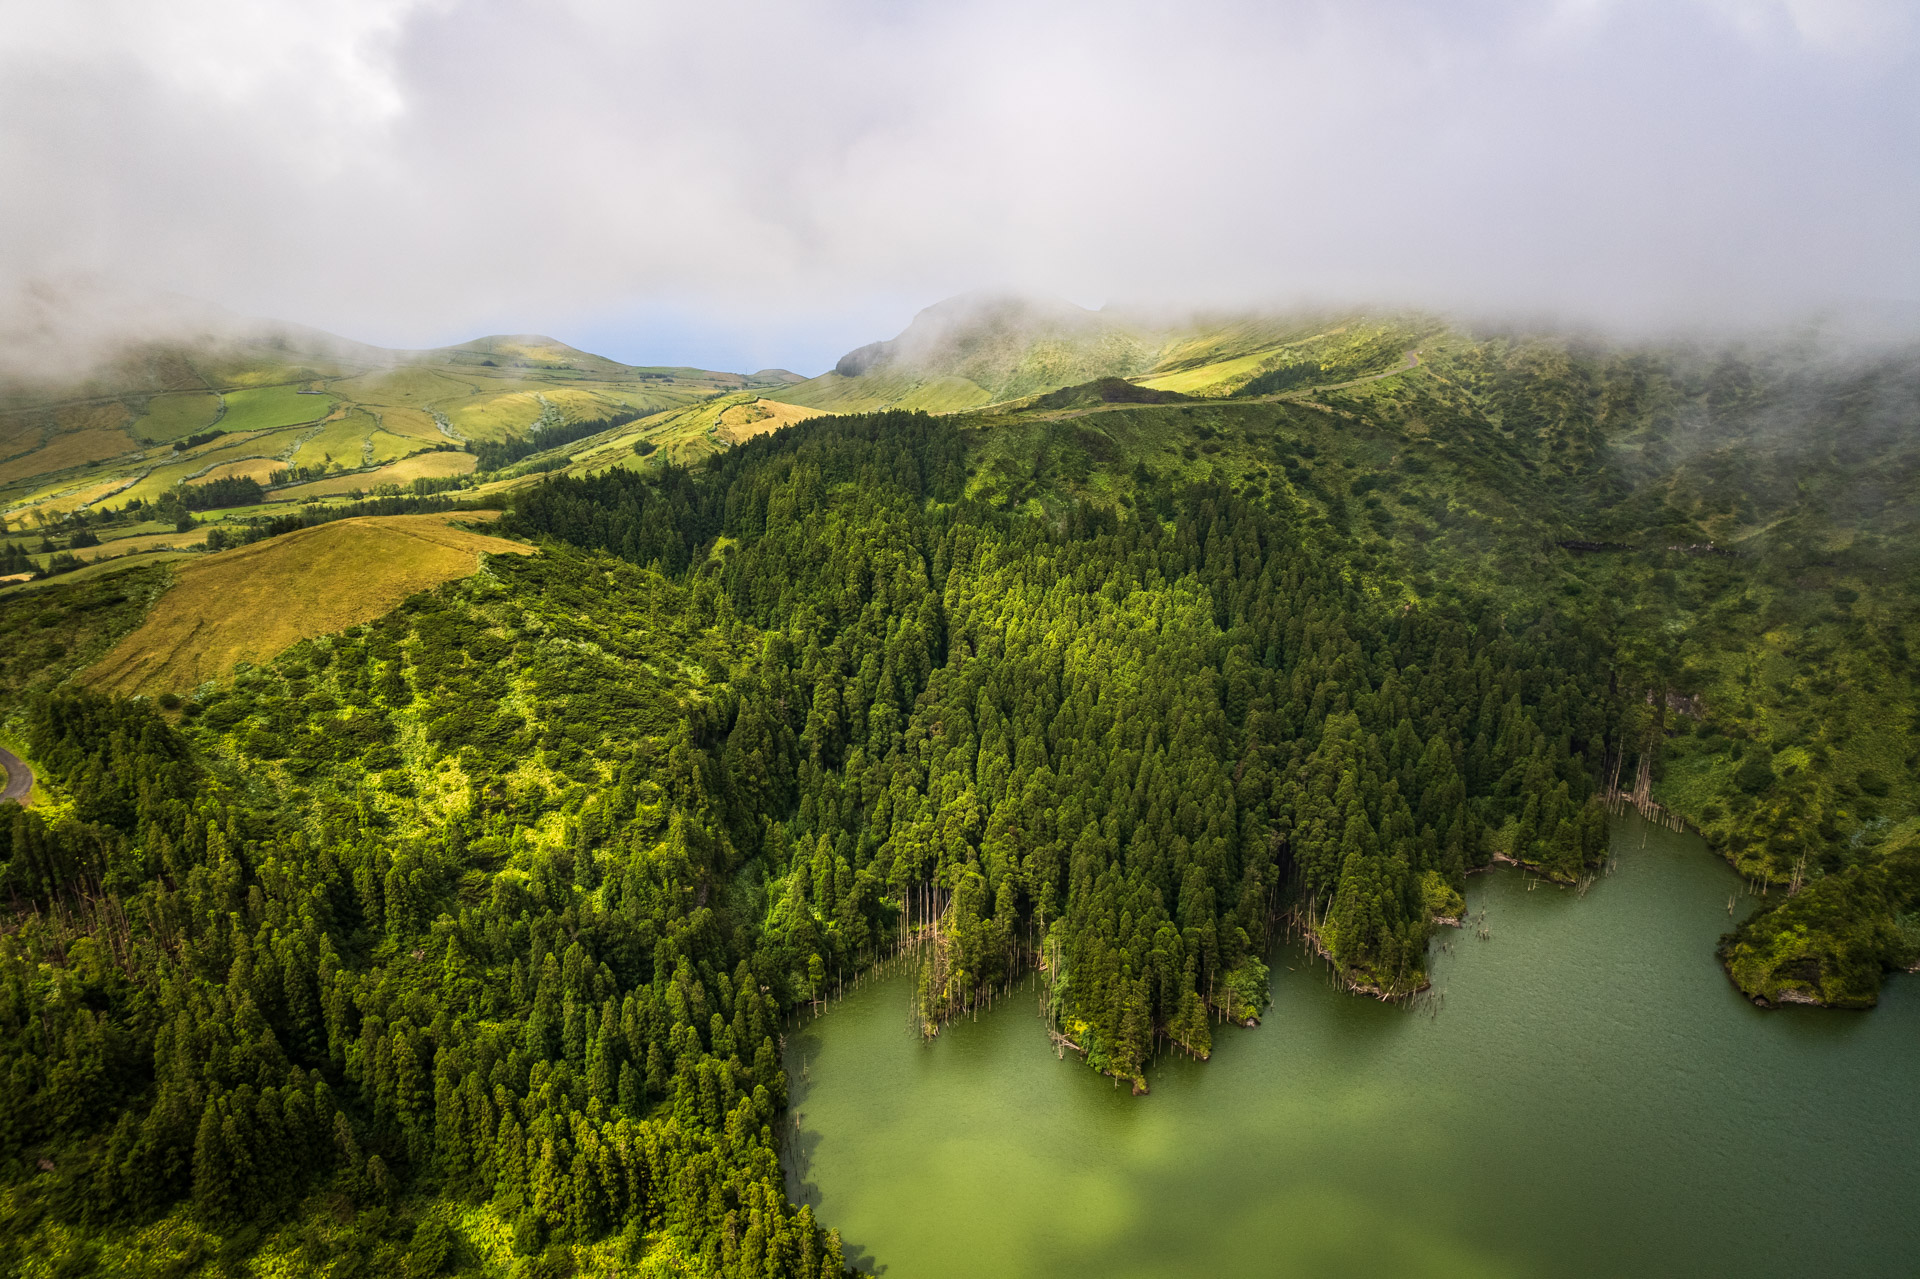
column 978, row 349
column 981, row 349
column 199, row 395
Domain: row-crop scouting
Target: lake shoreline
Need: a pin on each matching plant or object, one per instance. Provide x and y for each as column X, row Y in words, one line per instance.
column 1629, row 1087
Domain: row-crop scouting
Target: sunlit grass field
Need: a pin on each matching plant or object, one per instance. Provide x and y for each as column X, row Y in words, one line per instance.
column 269, row 407
column 253, row 602
column 434, row 465
column 172, row 417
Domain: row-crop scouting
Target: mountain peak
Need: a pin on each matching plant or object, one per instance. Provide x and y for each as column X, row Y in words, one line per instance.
column 983, row 347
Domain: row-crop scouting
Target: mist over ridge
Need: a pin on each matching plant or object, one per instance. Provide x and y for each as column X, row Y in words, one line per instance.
column 742, row 188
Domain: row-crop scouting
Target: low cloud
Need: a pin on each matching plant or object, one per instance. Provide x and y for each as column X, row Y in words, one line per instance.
column 775, row 184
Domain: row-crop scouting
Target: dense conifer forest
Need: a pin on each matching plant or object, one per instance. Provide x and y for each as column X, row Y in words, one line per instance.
column 462, row 941
column 501, row 900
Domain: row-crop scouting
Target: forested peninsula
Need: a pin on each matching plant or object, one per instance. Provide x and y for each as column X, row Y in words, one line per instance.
column 461, row 939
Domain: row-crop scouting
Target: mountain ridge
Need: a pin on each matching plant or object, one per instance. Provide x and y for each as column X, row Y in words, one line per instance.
column 981, row 349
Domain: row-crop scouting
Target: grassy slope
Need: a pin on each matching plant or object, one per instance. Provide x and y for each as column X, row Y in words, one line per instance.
column 832, row 393
column 170, row 417
column 981, row 349
column 265, row 408
column 251, row 603
column 435, row 465
column 951, row 365
column 741, row 422
column 681, row 435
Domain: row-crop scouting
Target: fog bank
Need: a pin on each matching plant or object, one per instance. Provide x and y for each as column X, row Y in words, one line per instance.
column 744, row 185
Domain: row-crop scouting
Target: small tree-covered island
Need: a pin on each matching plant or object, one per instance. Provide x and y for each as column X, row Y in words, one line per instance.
column 423, row 845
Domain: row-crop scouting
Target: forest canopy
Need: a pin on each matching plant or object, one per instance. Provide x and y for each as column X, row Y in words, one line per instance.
column 463, row 940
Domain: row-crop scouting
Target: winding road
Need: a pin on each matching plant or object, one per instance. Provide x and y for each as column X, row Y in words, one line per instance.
column 19, row 777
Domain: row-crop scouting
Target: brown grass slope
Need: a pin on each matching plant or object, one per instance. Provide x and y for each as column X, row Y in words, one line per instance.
column 251, row 603
column 742, row 422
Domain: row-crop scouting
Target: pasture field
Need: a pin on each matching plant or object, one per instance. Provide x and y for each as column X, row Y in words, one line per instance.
column 682, row 435
column 342, row 442
column 496, row 417
column 268, row 407
column 70, row 449
column 510, row 412
column 383, row 446
column 587, row 403
column 142, row 529
column 173, row 417
column 1216, row 366
column 254, row 602
column 534, row 352
column 139, row 544
column 235, row 371
column 416, row 424
column 258, row 469
column 433, row 465
column 1213, row 380
column 741, row 422
column 832, row 393
column 110, row 416
column 411, row 387
column 275, row 445
column 22, row 432
column 58, row 501
column 1227, row 339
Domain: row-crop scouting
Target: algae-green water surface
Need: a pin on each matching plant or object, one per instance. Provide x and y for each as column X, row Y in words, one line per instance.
column 1591, row 1097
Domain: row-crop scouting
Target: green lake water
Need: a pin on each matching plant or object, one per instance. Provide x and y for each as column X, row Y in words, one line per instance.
column 1590, row 1096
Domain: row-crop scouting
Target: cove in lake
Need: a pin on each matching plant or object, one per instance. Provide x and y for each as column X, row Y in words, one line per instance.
column 1583, row 1094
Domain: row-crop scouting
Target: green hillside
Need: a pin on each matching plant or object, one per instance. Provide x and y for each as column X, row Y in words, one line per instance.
column 1742, row 522
column 989, row 349
column 302, row 414
column 457, row 936
column 1745, row 525
column 979, row 349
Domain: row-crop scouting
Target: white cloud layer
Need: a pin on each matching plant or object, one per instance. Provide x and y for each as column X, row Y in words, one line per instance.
column 759, row 174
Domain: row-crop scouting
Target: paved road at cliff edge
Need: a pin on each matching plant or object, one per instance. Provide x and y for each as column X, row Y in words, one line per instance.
column 19, row 777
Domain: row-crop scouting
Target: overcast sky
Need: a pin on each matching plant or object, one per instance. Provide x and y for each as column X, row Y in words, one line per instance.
column 739, row 185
